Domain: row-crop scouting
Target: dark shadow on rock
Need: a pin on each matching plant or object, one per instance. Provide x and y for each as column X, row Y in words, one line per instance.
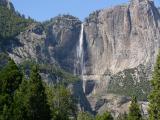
column 8, row 44
column 81, row 98
column 89, row 86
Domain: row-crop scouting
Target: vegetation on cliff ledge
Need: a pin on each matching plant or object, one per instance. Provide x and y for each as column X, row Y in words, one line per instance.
column 11, row 23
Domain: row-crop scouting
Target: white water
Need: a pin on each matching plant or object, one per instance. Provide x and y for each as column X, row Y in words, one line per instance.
column 80, row 63
column 80, row 51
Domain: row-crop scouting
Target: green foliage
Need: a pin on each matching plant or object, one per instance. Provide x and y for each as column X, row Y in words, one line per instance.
column 10, row 78
column 85, row 116
column 37, row 98
column 154, row 97
column 60, row 75
column 5, row 113
column 134, row 110
column 61, row 102
column 60, row 99
column 10, row 23
column 122, row 116
column 20, row 104
column 104, row 116
column 31, row 99
column 127, row 83
column 3, row 60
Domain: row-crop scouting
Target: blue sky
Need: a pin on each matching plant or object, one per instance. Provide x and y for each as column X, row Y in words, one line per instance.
column 42, row 10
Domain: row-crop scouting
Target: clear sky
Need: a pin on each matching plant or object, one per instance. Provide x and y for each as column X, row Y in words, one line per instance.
column 42, row 10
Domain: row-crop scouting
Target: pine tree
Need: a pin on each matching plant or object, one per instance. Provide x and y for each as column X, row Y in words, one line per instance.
column 37, row 99
column 134, row 110
column 10, row 78
column 19, row 106
column 61, row 102
column 154, row 97
column 6, row 113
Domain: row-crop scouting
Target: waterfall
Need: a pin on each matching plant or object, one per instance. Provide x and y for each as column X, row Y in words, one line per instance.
column 80, row 51
column 80, row 63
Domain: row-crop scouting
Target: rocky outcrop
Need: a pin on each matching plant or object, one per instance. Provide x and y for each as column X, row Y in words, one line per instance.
column 52, row 42
column 30, row 45
column 62, row 39
column 118, row 105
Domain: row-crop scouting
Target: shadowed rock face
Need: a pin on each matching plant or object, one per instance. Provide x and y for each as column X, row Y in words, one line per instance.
column 62, row 38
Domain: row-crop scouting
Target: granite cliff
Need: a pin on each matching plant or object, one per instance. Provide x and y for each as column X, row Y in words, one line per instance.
column 122, row 45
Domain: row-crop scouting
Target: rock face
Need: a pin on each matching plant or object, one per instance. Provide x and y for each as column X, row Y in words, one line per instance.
column 52, row 42
column 121, row 40
column 120, row 49
column 62, row 38
column 30, row 45
column 122, row 37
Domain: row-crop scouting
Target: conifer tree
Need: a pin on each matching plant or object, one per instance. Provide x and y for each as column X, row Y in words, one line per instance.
column 61, row 102
column 37, row 99
column 19, row 106
column 6, row 113
column 10, row 79
column 154, row 97
column 134, row 110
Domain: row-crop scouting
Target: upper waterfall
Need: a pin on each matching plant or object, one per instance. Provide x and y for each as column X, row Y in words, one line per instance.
column 79, row 63
column 80, row 46
column 80, row 50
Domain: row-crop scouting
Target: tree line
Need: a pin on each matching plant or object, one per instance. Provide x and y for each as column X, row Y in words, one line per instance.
column 29, row 98
column 23, row 98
